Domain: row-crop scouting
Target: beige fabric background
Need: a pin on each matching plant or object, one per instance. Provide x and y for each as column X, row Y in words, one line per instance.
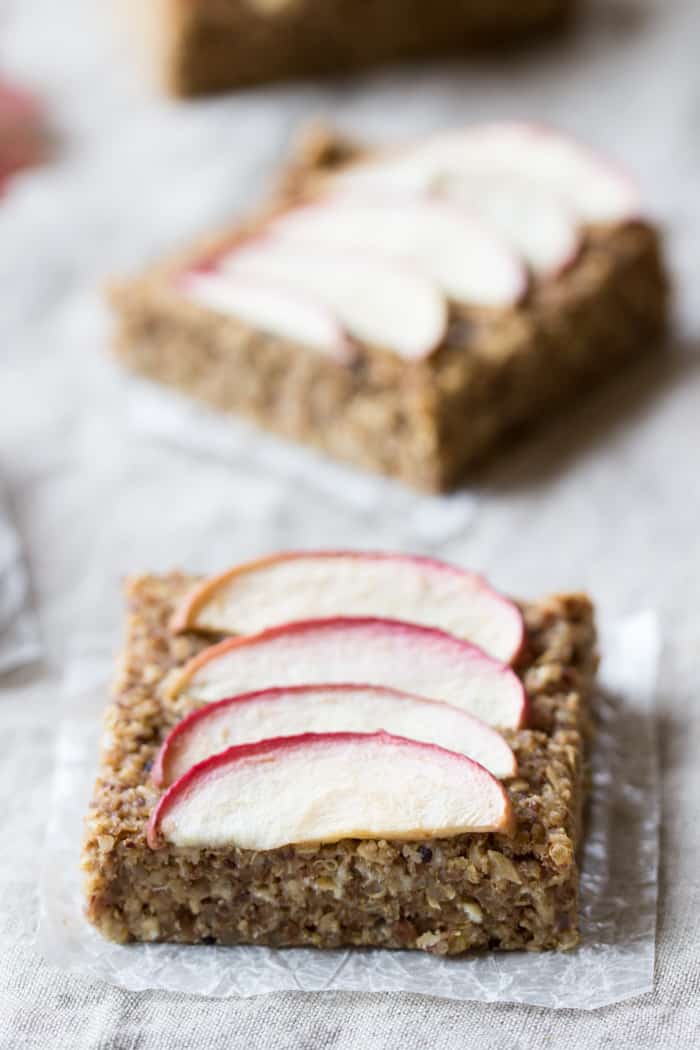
column 606, row 498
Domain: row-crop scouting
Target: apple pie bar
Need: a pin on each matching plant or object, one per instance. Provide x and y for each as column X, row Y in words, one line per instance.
column 202, row 46
column 339, row 748
column 407, row 309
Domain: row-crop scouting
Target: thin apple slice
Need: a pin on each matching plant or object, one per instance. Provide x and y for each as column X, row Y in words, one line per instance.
column 469, row 263
column 280, row 310
column 328, row 709
column 300, row 585
column 595, row 189
column 316, row 788
column 542, row 228
column 380, row 301
column 418, row 660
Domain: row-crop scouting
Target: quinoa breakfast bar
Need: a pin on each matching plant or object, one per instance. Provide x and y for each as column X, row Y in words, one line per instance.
column 407, row 310
column 338, row 748
column 202, row 46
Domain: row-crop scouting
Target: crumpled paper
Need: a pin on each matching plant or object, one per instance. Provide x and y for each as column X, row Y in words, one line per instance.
column 615, row 960
column 19, row 630
column 170, row 417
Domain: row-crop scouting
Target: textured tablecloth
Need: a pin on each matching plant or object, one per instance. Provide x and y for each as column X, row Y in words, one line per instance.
column 607, row 498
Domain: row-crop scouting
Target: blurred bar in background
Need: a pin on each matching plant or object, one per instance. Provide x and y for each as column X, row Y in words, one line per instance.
column 203, row 46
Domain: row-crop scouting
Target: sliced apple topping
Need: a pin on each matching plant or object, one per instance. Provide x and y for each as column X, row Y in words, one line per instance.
column 469, row 262
column 414, row 659
column 390, row 240
column 273, row 307
column 321, row 584
column 595, row 189
column 540, row 226
column 380, row 300
column 328, row 709
column 326, row 787
column 532, row 184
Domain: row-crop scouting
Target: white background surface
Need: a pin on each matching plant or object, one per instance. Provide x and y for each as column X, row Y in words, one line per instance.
column 607, row 498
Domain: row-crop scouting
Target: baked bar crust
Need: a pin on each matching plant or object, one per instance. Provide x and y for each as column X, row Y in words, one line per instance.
column 442, row 895
column 203, row 46
column 430, row 421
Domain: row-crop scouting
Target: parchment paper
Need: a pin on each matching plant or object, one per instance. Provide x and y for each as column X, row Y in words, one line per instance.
column 619, row 880
column 19, row 630
column 170, row 417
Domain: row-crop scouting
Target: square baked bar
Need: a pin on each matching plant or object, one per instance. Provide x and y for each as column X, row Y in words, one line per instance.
column 426, row 417
column 203, row 46
column 443, row 895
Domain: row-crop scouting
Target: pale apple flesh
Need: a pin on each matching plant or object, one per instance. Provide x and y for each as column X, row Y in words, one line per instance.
column 317, row 788
column 595, row 189
column 272, row 307
column 286, row 587
column 380, row 300
column 328, row 709
column 540, row 226
column 468, row 260
column 390, row 653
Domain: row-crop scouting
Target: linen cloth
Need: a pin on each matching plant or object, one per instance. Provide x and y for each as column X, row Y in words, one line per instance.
column 605, row 499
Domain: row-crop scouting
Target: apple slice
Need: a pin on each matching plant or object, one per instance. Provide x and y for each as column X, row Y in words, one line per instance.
column 596, row 189
column 380, row 301
column 419, row 660
column 325, row 787
column 593, row 188
column 277, row 309
column 468, row 262
column 300, row 585
column 542, row 228
column 328, row 709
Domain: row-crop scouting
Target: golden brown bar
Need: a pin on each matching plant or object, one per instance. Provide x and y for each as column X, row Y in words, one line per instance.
column 203, row 46
column 428, row 421
column 444, row 896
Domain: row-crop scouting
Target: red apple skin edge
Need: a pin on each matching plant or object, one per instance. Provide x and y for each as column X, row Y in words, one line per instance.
column 217, row 248
column 187, row 611
column 283, row 743
column 183, row 727
column 299, row 626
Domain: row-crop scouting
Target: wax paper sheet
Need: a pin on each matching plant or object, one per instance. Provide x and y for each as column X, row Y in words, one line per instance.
column 19, row 630
column 170, row 417
column 615, row 960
